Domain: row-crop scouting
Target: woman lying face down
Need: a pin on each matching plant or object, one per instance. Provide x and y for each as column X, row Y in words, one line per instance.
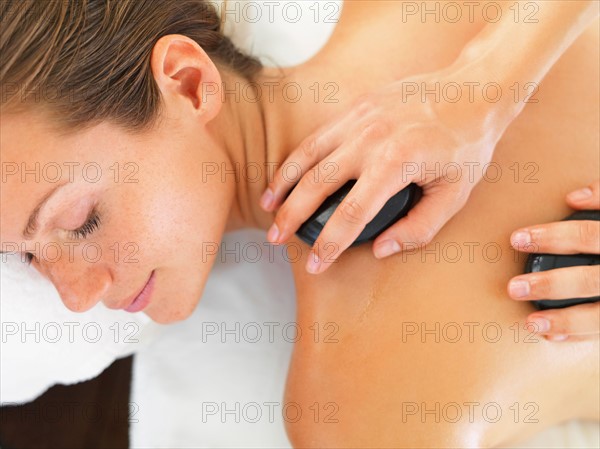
column 153, row 147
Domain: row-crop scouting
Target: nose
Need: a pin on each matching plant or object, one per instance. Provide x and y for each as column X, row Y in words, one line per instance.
column 81, row 285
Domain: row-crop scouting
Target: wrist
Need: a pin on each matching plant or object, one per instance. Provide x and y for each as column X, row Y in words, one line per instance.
column 475, row 103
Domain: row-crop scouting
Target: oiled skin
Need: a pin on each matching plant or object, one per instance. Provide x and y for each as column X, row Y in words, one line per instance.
column 367, row 370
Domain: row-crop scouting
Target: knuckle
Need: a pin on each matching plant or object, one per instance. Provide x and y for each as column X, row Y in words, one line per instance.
column 283, row 216
column 327, row 248
column 364, row 105
column 289, row 172
column 562, row 323
column 420, row 234
column 542, row 286
column 591, row 281
column 390, row 156
column 351, row 211
column 589, row 235
column 427, row 233
column 375, row 130
column 277, row 180
column 309, row 148
column 311, row 179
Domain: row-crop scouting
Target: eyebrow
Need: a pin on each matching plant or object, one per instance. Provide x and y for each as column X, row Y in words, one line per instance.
column 33, row 224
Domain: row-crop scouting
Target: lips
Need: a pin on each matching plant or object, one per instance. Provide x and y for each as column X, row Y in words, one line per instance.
column 142, row 299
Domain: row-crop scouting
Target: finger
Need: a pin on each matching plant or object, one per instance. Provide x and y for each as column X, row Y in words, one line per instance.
column 312, row 190
column 560, row 283
column 558, row 324
column 438, row 204
column 311, row 150
column 562, row 237
column 586, row 198
column 357, row 209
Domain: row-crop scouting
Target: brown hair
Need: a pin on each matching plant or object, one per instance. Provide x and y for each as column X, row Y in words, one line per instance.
column 85, row 61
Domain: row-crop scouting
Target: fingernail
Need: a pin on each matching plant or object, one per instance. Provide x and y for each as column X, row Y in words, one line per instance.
column 267, row 199
column 273, row 233
column 539, row 324
column 519, row 288
column 558, row 337
column 580, row 195
column 313, row 264
column 521, row 238
column 386, row 248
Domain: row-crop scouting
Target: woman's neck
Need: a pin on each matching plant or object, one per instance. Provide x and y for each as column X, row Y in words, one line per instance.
column 253, row 137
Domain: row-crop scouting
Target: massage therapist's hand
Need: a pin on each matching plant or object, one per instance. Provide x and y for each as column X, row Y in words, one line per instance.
column 390, row 138
column 386, row 140
column 564, row 237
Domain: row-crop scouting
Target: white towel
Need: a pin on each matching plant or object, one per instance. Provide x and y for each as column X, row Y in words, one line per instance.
column 44, row 343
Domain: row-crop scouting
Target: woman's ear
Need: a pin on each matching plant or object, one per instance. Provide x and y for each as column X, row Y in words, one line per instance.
column 184, row 72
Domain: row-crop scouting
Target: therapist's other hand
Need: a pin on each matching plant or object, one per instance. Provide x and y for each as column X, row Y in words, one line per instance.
column 385, row 141
column 564, row 237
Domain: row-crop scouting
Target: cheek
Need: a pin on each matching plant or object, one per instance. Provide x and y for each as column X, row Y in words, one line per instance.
column 186, row 222
column 199, row 217
column 175, row 219
column 181, row 216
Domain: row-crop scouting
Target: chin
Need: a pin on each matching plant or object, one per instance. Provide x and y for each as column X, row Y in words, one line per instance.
column 172, row 314
column 175, row 307
column 177, row 304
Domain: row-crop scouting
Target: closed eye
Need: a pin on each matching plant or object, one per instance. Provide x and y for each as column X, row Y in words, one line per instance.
column 92, row 223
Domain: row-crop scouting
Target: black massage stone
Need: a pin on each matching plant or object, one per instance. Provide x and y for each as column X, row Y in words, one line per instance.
column 395, row 208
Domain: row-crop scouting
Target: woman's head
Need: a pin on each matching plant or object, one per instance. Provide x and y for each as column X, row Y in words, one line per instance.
column 104, row 108
column 88, row 61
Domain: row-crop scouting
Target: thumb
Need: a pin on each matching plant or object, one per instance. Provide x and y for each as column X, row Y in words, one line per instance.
column 438, row 204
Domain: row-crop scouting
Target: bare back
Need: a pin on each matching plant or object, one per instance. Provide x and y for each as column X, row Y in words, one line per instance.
column 436, row 326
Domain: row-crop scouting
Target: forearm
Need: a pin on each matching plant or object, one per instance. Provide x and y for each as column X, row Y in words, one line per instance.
column 520, row 49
